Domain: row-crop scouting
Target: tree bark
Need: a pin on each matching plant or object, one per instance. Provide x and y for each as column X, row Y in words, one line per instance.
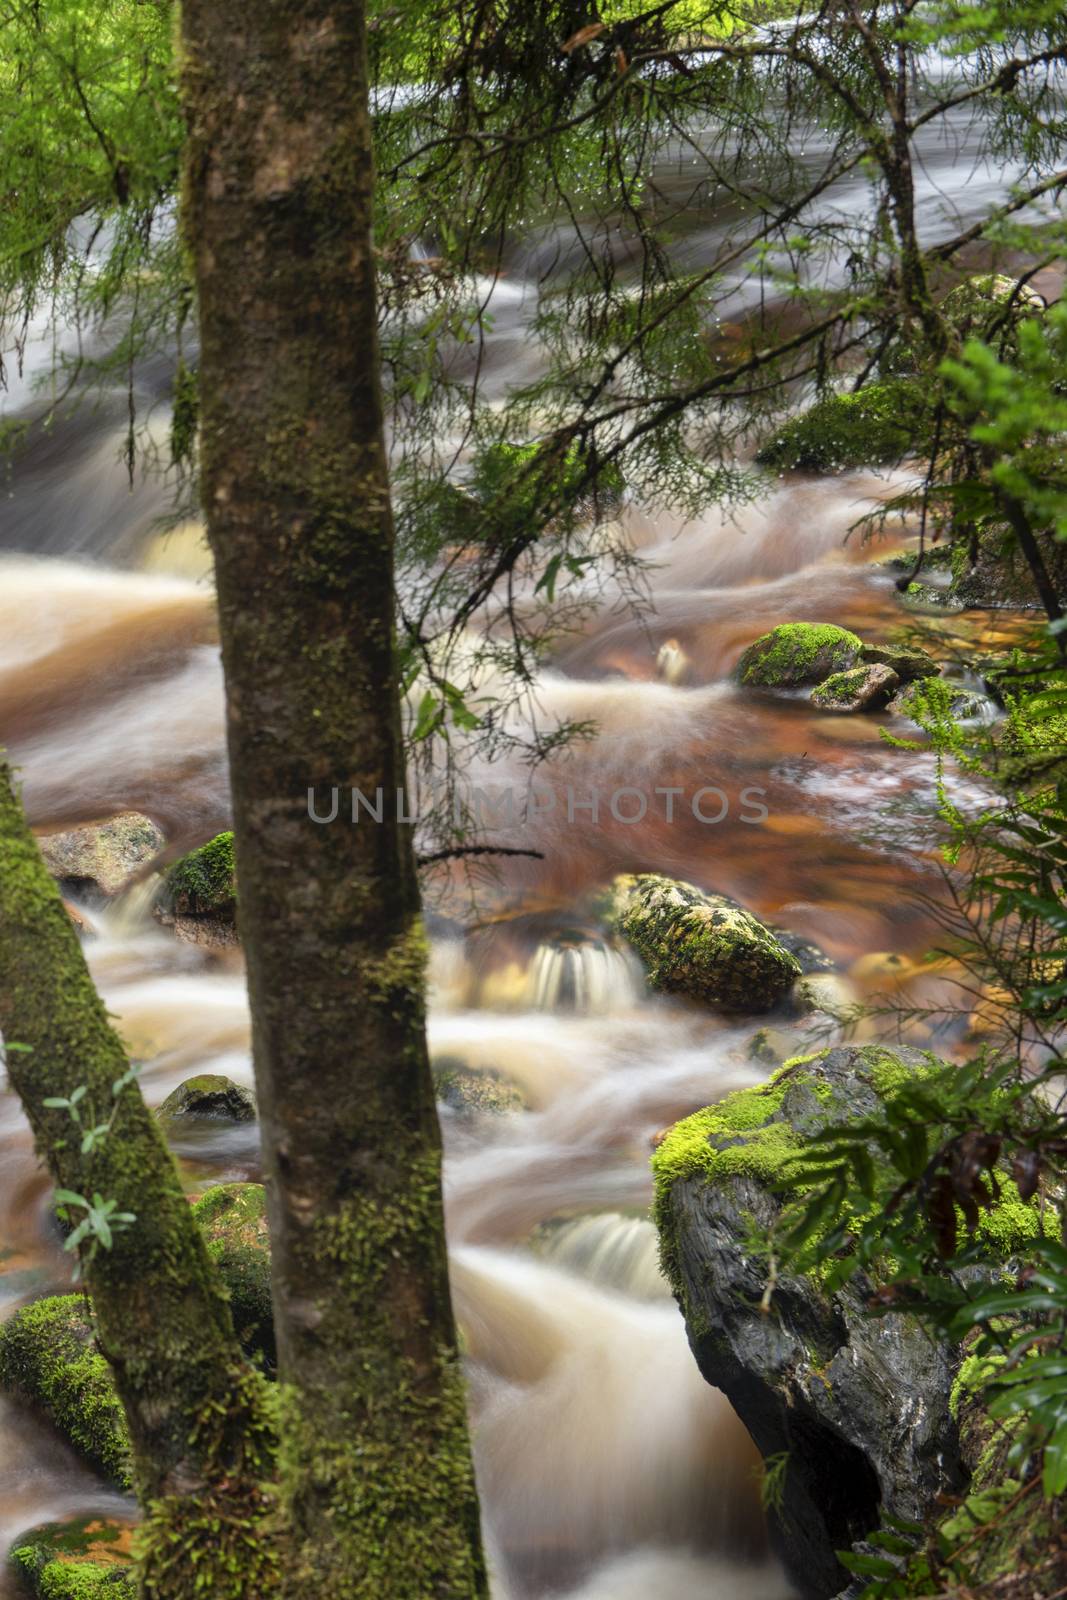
column 376, row 1467
column 197, row 1414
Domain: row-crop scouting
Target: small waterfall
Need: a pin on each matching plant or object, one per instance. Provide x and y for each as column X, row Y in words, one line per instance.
column 609, row 1249
column 583, row 976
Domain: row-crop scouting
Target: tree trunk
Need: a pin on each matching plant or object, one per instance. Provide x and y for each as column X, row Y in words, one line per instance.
column 376, row 1468
column 197, row 1413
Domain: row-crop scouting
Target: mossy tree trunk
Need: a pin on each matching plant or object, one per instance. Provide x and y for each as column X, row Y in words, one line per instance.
column 377, row 1471
column 200, row 1437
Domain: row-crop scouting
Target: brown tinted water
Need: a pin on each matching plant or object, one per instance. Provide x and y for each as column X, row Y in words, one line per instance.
column 608, row 1468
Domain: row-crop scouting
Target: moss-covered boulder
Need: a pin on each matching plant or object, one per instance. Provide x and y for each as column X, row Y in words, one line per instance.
column 798, row 653
column 212, row 1096
column 863, row 688
column 880, row 423
column 233, row 1217
column 203, row 883
column 856, row 1406
column 473, row 1092
column 48, row 1354
column 701, row 945
column 85, row 1559
column 98, row 861
column 49, row 1360
column 909, row 662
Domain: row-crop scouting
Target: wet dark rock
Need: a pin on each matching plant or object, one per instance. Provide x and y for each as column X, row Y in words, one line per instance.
column 865, row 688
column 858, row 1406
column 210, row 1095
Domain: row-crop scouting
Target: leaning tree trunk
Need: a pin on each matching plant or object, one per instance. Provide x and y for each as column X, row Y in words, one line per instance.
column 376, row 1467
column 198, row 1416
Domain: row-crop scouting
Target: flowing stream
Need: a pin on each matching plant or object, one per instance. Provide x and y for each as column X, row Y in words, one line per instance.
column 608, row 1468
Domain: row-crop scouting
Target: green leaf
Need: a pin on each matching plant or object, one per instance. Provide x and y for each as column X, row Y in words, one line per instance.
column 1054, row 1468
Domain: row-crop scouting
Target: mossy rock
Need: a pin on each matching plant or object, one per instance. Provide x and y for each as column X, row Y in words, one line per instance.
column 909, row 662
column 859, row 1405
column 863, row 688
column 233, row 1217
column 700, row 945
column 203, row 883
column 798, row 653
column 881, row 423
column 938, row 699
column 86, row 1559
column 210, row 1095
column 49, row 1360
column 98, row 861
column 928, row 600
column 473, row 1092
column 48, row 1355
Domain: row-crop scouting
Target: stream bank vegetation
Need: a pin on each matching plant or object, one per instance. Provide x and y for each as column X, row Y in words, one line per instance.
column 661, row 374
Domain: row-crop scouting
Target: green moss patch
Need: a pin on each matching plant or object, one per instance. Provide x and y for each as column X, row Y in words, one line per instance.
column 797, row 653
column 881, row 423
column 49, row 1360
column 204, row 882
column 701, row 945
column 87, row 1559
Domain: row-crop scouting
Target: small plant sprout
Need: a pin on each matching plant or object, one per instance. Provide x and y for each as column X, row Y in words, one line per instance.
column 102, row 1219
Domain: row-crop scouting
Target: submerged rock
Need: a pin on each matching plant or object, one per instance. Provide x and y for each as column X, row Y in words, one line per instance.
column 473, row 1092
column 857, row 1406
column 49, row 1360
column 865, row 688
column 100, row 860
column 210, row 1095
column 701, row 945
column 797, row 653
column 85, row 1559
